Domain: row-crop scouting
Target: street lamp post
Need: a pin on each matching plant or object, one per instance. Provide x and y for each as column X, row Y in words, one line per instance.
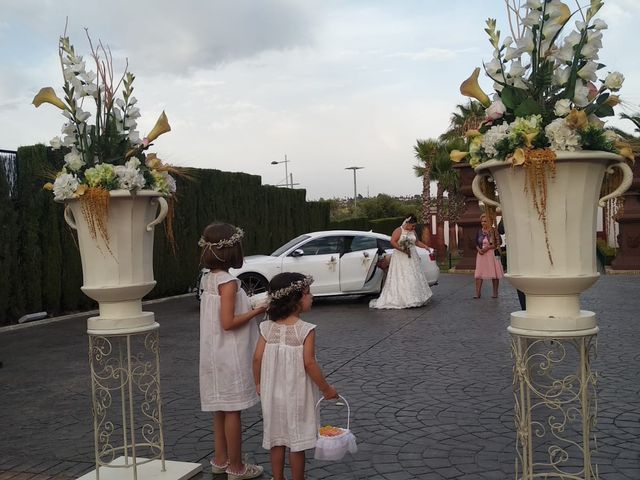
column 355, row 190
column 286, row 171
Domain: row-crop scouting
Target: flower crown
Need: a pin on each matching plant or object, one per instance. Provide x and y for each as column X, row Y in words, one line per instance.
column 297, row 286
column 225, row 242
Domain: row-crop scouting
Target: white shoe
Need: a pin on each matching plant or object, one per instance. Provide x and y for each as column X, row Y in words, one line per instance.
column 250, row 471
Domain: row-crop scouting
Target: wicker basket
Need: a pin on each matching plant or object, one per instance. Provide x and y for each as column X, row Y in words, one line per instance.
column 335, row 447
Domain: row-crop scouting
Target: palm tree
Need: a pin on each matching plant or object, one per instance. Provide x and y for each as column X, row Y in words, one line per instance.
column 468, row 117
column 426, row 152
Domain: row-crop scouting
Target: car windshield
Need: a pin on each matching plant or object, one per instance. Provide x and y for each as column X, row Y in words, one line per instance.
column 288, row 245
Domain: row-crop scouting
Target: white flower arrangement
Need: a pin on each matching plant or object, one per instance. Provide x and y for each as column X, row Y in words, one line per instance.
column 546, row 96
column 107, row 154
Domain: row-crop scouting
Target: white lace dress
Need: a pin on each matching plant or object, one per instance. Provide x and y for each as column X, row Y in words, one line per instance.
column 406, row 284
column 287, row 393
column 226, row 357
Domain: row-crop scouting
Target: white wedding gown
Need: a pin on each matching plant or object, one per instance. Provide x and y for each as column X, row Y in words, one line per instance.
column 406, row 284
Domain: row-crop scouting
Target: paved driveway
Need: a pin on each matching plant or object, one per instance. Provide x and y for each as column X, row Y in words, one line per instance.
column 430, row 388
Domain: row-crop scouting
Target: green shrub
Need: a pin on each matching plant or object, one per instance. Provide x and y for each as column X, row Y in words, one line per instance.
column 355, row 223
column 386, row 225
column 41, row 267
column 605, row 252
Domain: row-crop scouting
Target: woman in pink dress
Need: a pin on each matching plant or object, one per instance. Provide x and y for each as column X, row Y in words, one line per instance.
column 488, row 265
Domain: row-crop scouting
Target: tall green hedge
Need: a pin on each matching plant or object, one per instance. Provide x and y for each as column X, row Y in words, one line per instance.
column 41, row 268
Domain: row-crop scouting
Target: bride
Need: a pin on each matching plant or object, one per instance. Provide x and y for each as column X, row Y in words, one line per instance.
column 406, row 284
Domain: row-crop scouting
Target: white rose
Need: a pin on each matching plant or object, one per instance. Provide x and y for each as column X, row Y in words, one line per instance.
column 73, row 160
column 614, row 81
column 495, row 110
column 562, row 107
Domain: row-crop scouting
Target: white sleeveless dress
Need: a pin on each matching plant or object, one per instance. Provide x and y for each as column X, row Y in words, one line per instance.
column 406, row 284
column 287, row 393
column 226, row 357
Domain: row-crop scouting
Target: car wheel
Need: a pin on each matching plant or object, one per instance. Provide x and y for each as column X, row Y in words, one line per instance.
column 253, row 283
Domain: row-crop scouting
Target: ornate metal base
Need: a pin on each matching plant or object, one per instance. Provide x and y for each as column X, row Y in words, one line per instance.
column 126, row 401
column 555, row 406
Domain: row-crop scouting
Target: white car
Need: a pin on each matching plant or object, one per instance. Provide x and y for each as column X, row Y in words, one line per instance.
column 342, row 262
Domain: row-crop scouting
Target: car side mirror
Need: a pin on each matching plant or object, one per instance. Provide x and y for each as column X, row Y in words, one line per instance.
column 298, row 252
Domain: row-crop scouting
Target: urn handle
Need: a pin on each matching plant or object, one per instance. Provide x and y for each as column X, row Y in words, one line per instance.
column 627, row 179
column 164, row 208
column 477, row 191
column 69, row 218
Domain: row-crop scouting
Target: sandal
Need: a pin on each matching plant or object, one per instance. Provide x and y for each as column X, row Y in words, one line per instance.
column 249, row 471
column 215, row 468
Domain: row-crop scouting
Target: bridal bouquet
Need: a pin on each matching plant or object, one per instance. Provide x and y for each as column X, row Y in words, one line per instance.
column 108, row 153
column 551, row 91
column 405, row 245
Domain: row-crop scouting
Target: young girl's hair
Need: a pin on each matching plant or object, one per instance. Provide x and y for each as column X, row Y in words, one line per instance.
column 221, row 246
column 285, row 292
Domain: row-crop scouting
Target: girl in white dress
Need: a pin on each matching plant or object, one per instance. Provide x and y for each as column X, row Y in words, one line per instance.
column 287, row 375
column 228, row 337
column 406, row 284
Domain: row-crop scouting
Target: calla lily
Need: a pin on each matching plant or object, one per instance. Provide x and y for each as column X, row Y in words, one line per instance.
column 457, row 156
column 153, row 162
column 161, row 126
column 518, row 156
column 529, row 138
column 471, row 88
column 48, row 95
column 562, row 13
column 625, row 151
column 577, row 119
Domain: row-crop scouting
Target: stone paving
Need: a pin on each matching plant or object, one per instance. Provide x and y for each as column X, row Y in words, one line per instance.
column 430, row 388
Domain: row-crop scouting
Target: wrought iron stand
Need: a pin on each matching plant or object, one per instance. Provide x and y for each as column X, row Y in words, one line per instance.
column 555, row 404
column 127, row 407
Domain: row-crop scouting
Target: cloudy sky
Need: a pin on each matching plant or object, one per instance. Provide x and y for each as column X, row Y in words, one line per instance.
column 328, row 83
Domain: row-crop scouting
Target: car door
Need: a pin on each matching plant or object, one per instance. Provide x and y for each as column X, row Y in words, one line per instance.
column 358, row 262
column 320, row 258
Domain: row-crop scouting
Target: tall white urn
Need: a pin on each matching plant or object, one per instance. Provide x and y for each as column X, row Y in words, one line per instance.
column 553, row 269
column 118, row 272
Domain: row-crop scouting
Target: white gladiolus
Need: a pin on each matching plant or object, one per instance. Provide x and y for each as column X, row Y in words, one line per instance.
column 590, row 51
column 69, row 140
column 73, row 160
column 55, row 143
column 493, row 68
column 561, row 76
column 581, row 94
column 600, row 24
column 588, row 72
